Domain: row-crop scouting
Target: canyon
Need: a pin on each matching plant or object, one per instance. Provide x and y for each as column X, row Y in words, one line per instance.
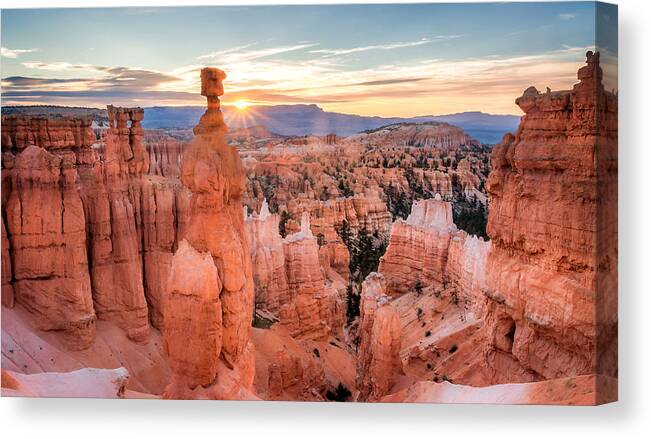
column 405, row 263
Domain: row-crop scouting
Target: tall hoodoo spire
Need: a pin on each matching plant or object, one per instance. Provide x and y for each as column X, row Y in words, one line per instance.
column 212, row 121
column 210, row 296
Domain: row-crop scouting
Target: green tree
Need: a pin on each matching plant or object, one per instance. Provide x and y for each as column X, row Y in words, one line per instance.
column 282, row 225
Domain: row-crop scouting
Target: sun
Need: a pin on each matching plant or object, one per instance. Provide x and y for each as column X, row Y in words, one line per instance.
column 241, row 104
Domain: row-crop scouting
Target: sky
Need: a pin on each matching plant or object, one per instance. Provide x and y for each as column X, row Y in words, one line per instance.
column 385, row 60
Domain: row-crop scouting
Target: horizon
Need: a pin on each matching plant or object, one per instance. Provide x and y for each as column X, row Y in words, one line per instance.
column 447, row 61
column 253, row 106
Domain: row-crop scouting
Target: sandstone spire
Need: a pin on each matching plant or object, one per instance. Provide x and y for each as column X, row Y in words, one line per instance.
column 378, row 361
column 221, row 298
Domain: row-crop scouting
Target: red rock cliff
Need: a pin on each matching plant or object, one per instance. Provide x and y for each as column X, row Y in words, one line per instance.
column 378, row 362
column 121, row 224
column 553, row 225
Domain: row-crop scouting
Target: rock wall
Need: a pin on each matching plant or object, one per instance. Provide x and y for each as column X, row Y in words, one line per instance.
column 378, row 361
column 315, row 307
column 418, row 248
column 165, row 212
column 19, row 132
column 427, row 250
column 113, row 210
column 366, row 211
column 543, row 291
column 114, row 226
column 47, row 243
column 165, row 154
column 7, row 287
column 210, row 289
column 268, row 260
column 548, row 220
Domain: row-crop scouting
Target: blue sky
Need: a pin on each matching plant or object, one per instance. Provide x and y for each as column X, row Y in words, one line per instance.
column 397, row 60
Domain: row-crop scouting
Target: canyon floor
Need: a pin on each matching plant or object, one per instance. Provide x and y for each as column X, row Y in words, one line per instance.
column 406, row 263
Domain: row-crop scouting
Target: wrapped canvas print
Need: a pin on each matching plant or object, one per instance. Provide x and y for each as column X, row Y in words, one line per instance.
column 359, row 203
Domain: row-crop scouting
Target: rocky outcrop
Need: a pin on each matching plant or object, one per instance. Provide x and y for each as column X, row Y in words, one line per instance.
column 418, row 248
column 428, row 251
column 46, row 229
column 427, row 134
column 553, row 208
column 211, row 274
column 165, row 154
column 268, row 260
column 378, row 361
column 287, row 373
column 193, row 331
column 314, row 310
column 465, row 270
column 300, row 370
column 20, row 131
column 294, row 281
column 366, row 212
column 128, row 224
column 112, row 199
column 165, row 212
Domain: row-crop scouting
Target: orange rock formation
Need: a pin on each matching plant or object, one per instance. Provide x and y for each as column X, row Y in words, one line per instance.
column 211, row 271
column 553, row 223
column 537, row 302
column 428, row 250
column 315, row 309
column 378, row 361
column 268, row 260
column 47, row 237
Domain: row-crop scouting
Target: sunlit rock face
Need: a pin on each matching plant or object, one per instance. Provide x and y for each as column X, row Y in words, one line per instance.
column 165, row 204
column 112, row 195
column 46, row 231
column 165, row 154
column 366, row 211
column 294, row 281
column 315, row 309
column 551, row 276
column 434, row 134
column 378, row 362
column 194, row 290
column 19, row 132
column 268, row 260
column 215, row 243
column 535, row 302
column 427, row 250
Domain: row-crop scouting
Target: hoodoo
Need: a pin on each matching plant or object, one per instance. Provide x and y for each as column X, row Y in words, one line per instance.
column 378, row 362
column 268, row 259
column 552, row 274
column 113, row 208
column 208, row 314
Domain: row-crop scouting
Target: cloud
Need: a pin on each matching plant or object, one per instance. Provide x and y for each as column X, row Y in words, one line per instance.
column 225, row 51
column 391, row 46
column 566, row 16
column 240, row 54
column 57, row 66
column 387, row 82
column 15, row 53
column 423, row 86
